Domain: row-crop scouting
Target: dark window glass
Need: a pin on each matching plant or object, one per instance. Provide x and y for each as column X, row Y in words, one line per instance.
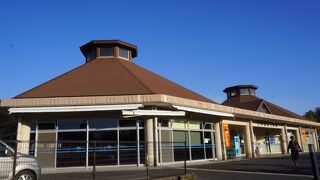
column 128, row 146
column 5, row 152
column 165, row 123
column 141, row 123
column 32, row 143
column 71, row 150
column 244, row 91
column 103, row 123
column 72, row 124
column 124, row 53
column 106, row 51
column 46, row 126
column 142, row 146
column 106, row 147
column 208, row 126
column 33, row 125
column 127, row 123
column 208, row 144
column 91, row 55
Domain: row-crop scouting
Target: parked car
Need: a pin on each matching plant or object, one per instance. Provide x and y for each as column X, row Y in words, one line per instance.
column 27, row 167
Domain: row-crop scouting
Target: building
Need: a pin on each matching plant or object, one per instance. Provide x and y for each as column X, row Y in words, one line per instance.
column 110, row 98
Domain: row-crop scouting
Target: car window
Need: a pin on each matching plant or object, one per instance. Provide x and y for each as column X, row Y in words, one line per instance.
column 4, row 151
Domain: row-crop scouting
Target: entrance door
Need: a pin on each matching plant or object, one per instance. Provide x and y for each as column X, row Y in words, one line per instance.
column 208, row 140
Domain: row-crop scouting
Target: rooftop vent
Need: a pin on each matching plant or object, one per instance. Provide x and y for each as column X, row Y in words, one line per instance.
column 240, row 90
column 113, row 49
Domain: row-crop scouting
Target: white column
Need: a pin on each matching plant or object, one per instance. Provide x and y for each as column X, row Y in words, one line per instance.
column 315, row 141
column 299, row 138
column 287, row 139
column 283, row 141
column 248, row 141
column 223, row 142
column 217, row 139
column 149, row 141
column 23, row 136
column 252, row 139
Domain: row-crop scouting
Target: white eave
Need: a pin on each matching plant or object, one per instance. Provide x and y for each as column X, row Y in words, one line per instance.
column 202, row 111
column 75, row 108
column 153, row 113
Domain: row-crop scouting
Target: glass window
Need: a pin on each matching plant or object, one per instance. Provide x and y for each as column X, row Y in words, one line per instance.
column 71, row 149
column 233, row 93
column 106, row 51
column 106, row 147
column 141, row 123
column 103, row 123
column 252, row 91
column 46, row 126
column 197, row 145
column 165, row 123
column 179, row 124
column 124, row 53
column 33, row 125
column 4, row 151
column 72, row 124
column 244, row 91
column 91, row 55
column 127, row 123
column 128, row 146
column 179, row 137
column 32, row 144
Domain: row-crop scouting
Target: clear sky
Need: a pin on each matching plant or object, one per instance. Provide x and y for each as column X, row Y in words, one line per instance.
column 202, row 45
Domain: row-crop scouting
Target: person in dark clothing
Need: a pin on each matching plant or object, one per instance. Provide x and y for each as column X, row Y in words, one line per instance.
column 295, row 150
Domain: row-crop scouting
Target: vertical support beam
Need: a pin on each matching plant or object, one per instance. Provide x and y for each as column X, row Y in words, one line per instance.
column 217, row 139
column 149, row 141
column 299, row 138
column 155, row 140
column 316, row 139
column 23, row 136
column 223, row 142
column 283, row 140
column 287, row 138
column 248, row 141
column 252, row 139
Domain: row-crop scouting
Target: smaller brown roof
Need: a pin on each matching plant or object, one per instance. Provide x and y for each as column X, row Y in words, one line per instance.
column 251, row 102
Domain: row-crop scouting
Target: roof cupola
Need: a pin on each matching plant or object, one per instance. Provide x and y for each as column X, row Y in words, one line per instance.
column 240, row 90
column 113, row 49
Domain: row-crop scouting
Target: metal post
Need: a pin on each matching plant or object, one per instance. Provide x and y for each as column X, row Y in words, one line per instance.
column 14, row 161
column 185, row 157
column 313, row 162
column 94, row 160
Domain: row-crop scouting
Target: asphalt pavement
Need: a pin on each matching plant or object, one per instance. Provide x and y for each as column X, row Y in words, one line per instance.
column 279, row 167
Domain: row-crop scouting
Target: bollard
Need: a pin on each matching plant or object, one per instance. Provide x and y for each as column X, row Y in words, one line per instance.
column 314, row 162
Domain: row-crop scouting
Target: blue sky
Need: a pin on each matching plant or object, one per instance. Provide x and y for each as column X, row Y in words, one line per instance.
column 202, row 45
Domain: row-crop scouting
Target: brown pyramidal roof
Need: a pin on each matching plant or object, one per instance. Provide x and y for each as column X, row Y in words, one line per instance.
column 110, row 77
column 251, row 102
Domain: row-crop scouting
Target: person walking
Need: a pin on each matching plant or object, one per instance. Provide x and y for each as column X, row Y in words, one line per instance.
column 295, row 150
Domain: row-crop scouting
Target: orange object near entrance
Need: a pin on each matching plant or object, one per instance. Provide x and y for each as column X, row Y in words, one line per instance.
column 227, row 135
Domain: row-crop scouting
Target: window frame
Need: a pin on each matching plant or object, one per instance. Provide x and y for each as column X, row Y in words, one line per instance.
column 119, row 48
